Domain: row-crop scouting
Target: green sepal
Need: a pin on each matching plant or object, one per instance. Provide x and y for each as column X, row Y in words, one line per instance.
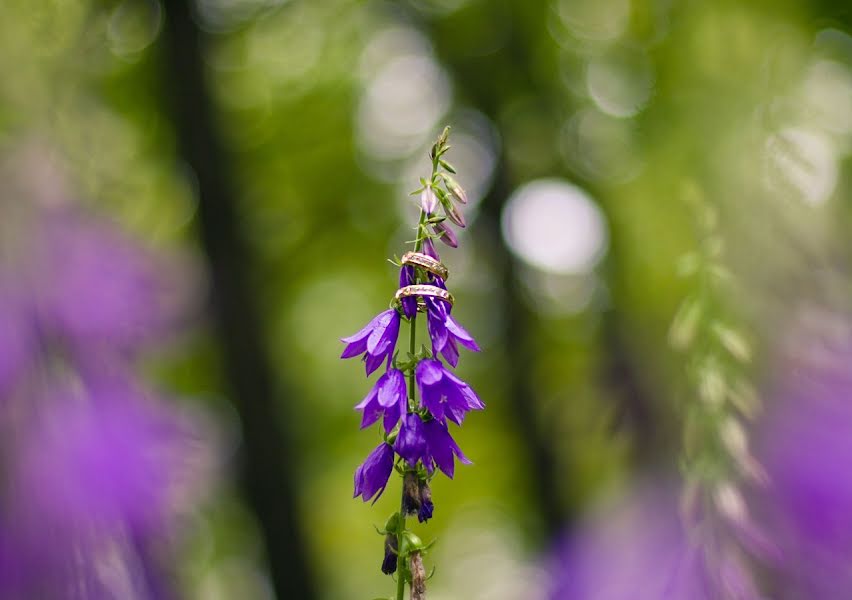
column 447, row 166
column 393, row 524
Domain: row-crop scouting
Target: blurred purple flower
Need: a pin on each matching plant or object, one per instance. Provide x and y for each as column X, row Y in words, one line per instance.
column 17, row 339
column 96, row 288
column 372, row 475
column 635, row 549
column 443, row 394
column 806, row 448
column 108, row 455
column 377, row 339
column 388, row 397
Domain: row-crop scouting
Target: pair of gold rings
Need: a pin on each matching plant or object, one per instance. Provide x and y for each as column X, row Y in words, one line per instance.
column 433, row 266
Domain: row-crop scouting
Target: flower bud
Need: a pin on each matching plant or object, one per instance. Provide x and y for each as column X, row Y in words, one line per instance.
column 447, row 234
column 455, row 189
column 428, row 200
column 429, row 249
column 453, row 214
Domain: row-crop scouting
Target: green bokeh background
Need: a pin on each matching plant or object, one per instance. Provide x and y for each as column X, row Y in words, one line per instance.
column 647, row 105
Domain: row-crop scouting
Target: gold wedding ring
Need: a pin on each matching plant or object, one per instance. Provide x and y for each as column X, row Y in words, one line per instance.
column 425, row 261
column 423, row 290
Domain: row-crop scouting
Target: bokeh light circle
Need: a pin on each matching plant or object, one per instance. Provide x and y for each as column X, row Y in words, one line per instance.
column 555, row 226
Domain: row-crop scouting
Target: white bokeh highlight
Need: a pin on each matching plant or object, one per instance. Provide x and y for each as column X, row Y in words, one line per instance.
column 555, row 226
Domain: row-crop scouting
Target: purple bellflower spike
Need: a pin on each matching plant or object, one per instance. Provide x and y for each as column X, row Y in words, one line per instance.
column 443, row 394
column 429, row 442
column 388, row 397
column 372, row 476
column 406, row 277
column 377, row 339
column 446, row 333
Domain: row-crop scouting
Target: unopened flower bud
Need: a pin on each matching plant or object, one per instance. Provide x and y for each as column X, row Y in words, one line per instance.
column 428, row 200
column 418, row 576
column 455, row 189
column 730, row 502
column 447, row 234
column 454, row 214
column 410, row 493
column 429, row 249
column 426, row 506
column 391, row 553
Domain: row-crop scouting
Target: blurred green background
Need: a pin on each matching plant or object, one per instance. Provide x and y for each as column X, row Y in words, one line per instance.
column 583, row 130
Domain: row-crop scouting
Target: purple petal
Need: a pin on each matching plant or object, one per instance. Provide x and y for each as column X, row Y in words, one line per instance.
column 429, row 371
column 461, row 334
column 372, row 476
column 355, row 348
column 406, row 277
column 470, row 397
column 428, row 201
column 392, row 415
column 440, row 446
column 429, row 249
column 451, row 352
column 410, row 443
column 371, row 363
column 378, row 338
column 391, row 387
column 365, row 331
column 370, row 409
column 437, row 330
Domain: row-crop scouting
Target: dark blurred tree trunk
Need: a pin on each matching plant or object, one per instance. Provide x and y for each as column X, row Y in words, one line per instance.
column 485, row 81
column 267, row 461
column 542, row 461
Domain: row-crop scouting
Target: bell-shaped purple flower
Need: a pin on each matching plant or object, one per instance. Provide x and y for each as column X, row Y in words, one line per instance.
column 446, row 333
column 372, row 476
column 430, row 442
column 406, row 277
column 443, row 394
column 388, row 397
column 377, row 339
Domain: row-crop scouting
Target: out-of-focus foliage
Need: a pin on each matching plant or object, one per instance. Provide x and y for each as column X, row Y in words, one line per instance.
column 585, row 132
